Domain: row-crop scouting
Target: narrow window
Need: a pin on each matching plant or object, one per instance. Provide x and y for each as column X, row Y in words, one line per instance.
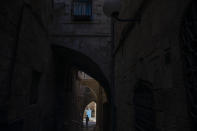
column 82, row 10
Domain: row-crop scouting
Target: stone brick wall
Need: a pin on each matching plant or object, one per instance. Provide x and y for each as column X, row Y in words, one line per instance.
column 91, row 38
column 27, row 83
column 149, row 52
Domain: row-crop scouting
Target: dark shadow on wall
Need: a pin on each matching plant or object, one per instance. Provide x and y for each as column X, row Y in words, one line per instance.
column 144, row 106
column 188, row 38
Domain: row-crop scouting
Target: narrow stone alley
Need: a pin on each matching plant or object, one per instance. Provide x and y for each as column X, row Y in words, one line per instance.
column 120, row 65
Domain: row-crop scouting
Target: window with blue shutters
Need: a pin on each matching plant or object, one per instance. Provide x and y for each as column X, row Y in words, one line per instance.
column 82, row 10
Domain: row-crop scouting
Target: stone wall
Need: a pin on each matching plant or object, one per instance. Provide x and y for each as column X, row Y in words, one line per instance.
column 150, row 92
column 91, row 38
column 27, row 83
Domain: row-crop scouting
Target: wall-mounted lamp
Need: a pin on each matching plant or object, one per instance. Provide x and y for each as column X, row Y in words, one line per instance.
column 111, row 8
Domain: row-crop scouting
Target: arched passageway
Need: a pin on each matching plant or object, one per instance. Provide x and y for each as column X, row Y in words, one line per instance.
column 84, row 63
column 75, row 91
column 37, row 92
column 90, row 112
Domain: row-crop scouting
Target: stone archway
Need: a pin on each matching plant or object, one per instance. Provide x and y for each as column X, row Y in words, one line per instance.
column 83, row 63
column 92, row 105
column 73, row 61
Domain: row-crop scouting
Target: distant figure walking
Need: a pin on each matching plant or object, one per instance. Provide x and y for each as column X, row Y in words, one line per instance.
column 87, row 120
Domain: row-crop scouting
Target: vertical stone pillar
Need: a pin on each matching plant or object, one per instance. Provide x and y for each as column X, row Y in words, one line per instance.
column 61, row 70
column 99, row 118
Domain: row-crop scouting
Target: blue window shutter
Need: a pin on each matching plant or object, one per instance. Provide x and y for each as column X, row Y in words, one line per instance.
column 82, row 9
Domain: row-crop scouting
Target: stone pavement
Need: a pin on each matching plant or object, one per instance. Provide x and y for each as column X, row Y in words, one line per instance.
column 88, row 129
column 91, row 126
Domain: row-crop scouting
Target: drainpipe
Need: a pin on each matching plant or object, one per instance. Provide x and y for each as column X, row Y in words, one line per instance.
column 113, row 75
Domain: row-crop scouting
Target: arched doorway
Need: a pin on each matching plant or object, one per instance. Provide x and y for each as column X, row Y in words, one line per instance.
column 90, row 112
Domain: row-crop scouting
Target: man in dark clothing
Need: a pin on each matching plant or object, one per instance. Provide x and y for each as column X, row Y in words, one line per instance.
column 87, row 120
